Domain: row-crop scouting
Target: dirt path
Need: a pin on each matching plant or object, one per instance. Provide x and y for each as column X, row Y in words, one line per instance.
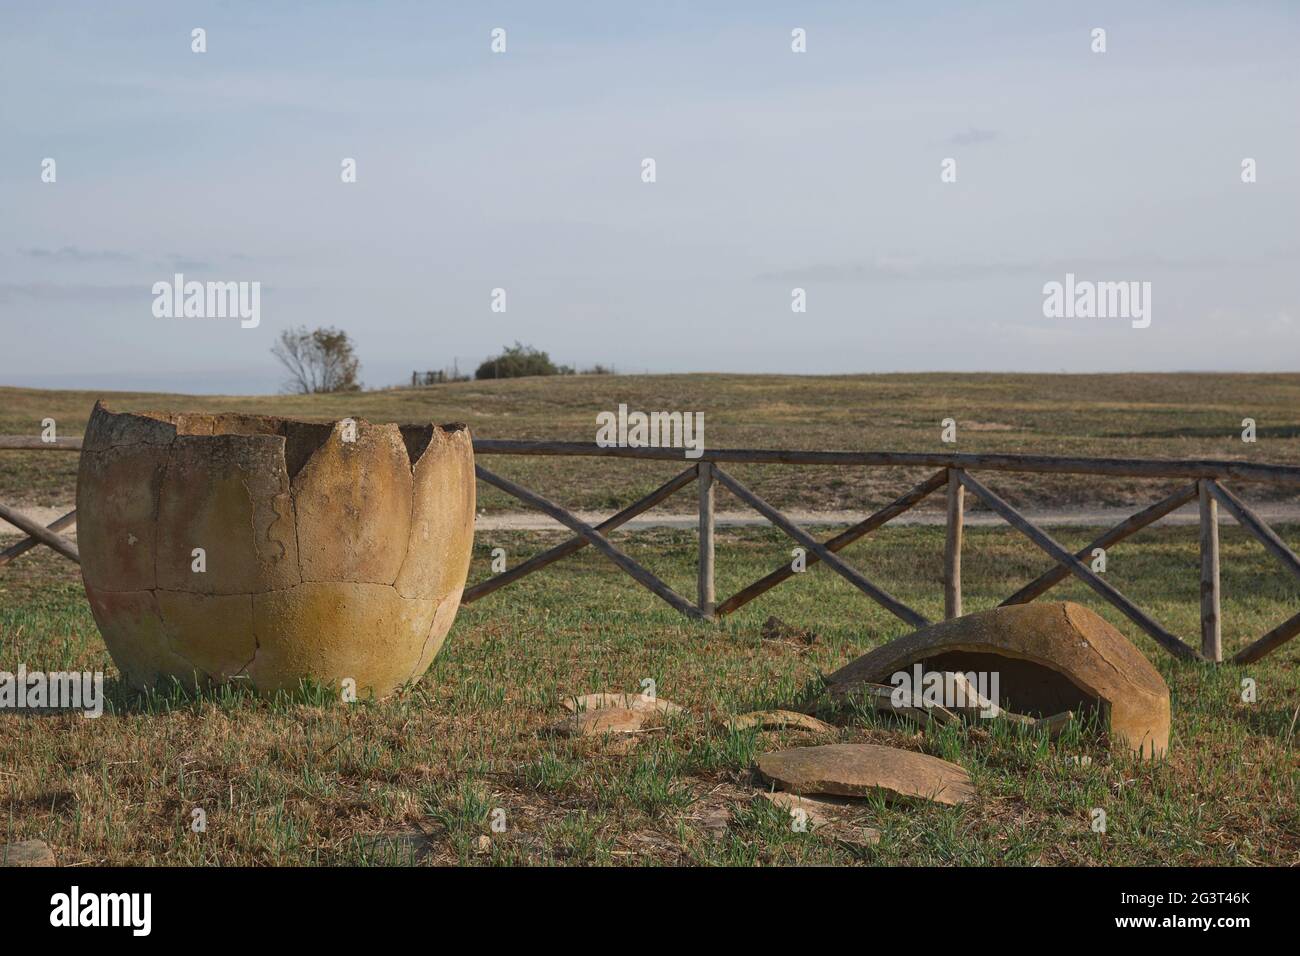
column 1284, row 513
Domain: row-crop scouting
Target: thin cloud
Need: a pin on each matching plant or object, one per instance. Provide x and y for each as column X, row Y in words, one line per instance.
column 69, row 292
column 916, row 269
column 186, row 264
column 76, row 254
column 973, row 137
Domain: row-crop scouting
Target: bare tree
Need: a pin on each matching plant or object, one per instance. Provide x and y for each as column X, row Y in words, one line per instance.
column 319, row 361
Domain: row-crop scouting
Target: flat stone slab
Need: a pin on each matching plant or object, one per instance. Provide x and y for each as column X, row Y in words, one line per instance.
column 859, row 770
column 780, row 720
column 27, row 853
column 605, row 700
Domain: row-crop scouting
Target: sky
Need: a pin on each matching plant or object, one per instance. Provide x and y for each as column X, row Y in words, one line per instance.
column 523, row 170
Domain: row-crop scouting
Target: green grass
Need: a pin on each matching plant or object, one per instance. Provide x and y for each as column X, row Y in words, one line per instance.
column 1138, row 415
column 304, row 779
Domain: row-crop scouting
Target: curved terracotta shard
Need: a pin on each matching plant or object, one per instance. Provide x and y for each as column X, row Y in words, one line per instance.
column 229, row 495
column 108, row 429
column 606, row 699
column 442, row 516
column 830, row 815
column 1049, row 658
column 780, row 720
column 352, row 501
column 305, row 534
column 859, row 770
column 606, row 720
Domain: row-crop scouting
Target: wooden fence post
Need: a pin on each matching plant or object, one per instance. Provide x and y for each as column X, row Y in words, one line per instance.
column 707, row 596
column 952, row 545
column 1211, row 627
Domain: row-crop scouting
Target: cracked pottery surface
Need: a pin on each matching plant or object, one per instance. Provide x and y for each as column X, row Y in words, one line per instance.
column 325, row 559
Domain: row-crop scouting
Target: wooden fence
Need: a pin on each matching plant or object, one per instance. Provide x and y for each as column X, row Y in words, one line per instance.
column 1200, row 481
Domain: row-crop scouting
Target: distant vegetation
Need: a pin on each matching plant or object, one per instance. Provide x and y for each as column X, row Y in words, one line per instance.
column 514, row 361
column 318, row 362
column 520, row 361
column 438, row 377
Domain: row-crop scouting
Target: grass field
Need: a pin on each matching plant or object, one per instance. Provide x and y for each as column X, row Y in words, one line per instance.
column 1174, row 416
column 307, row 779
column 414, row 779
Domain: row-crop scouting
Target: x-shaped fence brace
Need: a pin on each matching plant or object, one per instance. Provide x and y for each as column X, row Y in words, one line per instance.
column 37, row 535
column 1068, row 563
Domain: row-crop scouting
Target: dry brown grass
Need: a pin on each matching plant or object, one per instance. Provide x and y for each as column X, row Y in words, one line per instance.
column 1132, row 415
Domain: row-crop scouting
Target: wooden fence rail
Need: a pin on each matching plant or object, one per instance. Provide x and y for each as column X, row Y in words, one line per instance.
column 953, row 475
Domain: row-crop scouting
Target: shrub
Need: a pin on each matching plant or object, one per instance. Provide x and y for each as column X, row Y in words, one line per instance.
column 517, row 361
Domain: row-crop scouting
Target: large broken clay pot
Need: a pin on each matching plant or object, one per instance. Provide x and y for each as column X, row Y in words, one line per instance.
column 329, row 552
column 1049, row 657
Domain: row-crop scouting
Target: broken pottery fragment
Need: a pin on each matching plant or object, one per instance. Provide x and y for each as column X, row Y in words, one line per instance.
column 1049, row 658
column 780, row 720
column 238, row 547
column 858, row 770
column 714, row 821
column 606, row 720
column 27, row 853
column 827, row 817
column 809, row 811
column 630, row 701
column 881, row 699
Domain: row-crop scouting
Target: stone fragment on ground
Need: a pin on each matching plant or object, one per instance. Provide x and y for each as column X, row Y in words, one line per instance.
column 714, row 822
column 827, row 817
column 792, row 803
column 606, row 720
column 1055, row 725
column 27, row 853
column 857, row 770
column 589, row 702
column 780, row 720
column 880, row 697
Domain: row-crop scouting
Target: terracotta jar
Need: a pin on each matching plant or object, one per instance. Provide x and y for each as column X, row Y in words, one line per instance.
column 242, row 548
